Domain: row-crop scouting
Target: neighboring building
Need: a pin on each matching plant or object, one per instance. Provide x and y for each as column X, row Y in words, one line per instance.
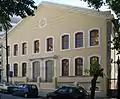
column 60, row 42
column 14, row 22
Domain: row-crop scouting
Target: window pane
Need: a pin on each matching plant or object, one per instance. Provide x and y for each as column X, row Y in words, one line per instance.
column 15, row 70
column 24, row 69
column 36, row 46
column 65, row 67
column 50, row 44
column 15, row 50
column 93, row 60
column 63, row 90
column 65, row 42
column 94, row 37
column 79, row 39
column 78, row 67
column 24, row 48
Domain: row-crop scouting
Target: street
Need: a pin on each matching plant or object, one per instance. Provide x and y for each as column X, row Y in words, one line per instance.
column 9, row 96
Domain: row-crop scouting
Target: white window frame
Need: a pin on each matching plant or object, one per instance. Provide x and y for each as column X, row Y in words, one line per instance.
column 33, row 46
column 83, row 40
column 45, row 24
column 18, row 69
column 74, row 64
column 61, row 66
column 21, row 48
column 13, row 50
column 46, row 44
column 61, row 42
column 89, row 37
column 26, row 68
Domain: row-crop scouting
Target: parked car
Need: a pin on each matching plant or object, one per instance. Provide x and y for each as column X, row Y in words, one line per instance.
column 26, row 90
column 11, row 88
column 68, row 92
column 4, row 87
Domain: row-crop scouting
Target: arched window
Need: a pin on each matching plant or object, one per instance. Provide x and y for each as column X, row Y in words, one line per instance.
column 36, row 46
column 94, row 37
column 65, row 42
column 79, row 39
column 24, row 48
column 49, row 45
column 93, row 60
column 24, row 69
column 15, row 70
column 15, row 49
column 65, row 67
column 79, row 66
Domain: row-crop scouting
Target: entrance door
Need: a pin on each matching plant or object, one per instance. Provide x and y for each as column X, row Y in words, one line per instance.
column 36, row 70
column 49, row 68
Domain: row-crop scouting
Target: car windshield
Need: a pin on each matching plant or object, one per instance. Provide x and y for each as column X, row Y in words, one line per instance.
column 62, row 90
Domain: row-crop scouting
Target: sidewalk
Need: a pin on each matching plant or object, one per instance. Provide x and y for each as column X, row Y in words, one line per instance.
column 44, row 92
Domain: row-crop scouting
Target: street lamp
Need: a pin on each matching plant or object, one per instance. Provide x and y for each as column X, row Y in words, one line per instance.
column 7, row 68
column 118, row 79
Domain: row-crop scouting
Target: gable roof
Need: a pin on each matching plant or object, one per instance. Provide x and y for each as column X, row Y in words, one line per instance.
column 70, row 8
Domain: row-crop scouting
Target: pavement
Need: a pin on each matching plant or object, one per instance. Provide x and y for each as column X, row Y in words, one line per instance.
column 44, row 92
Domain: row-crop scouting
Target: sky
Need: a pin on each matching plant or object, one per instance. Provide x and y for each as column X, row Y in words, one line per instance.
column 77, row 3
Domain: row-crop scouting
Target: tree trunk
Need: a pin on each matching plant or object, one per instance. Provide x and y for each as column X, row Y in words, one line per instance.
column 93, row 86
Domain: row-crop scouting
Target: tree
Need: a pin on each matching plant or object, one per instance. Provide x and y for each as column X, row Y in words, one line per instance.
column 115, row 6
column 95, row 71
column 8, row 8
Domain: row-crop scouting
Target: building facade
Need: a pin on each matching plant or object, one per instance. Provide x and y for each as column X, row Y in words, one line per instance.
column 60, row 42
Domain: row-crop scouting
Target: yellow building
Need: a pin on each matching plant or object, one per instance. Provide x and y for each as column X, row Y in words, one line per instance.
column 60, row 41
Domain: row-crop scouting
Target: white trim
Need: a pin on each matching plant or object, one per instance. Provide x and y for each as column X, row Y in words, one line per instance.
column 41, row 68
column 61, row 65
column 45, row 24
column 46, row 44
column 13, row 50
column 92, row 56
column 83, row 39
column 26, row 49
column 18, row 69
column 74, row 64
column 26, row 68
column 89, row 37
column 55, row 68
column 61, row 42
column 33, row 46
column 31, row 70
